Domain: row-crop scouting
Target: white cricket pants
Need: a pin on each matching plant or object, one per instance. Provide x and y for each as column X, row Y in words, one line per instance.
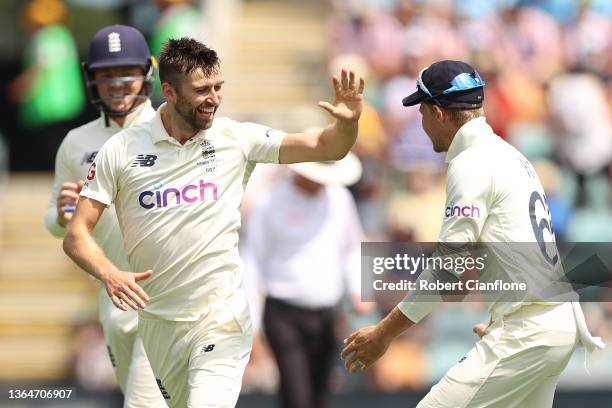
column 200, row 363
column 132, row 369
column 516, row 364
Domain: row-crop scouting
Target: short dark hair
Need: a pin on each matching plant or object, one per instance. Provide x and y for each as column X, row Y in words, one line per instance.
column 184, row 55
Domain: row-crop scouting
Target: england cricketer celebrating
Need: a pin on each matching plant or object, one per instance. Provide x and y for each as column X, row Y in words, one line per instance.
column 177, row 182
column 524, row 349
column 119, row 73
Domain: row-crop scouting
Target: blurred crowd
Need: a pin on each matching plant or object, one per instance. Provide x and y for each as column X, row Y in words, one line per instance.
column 547, row 66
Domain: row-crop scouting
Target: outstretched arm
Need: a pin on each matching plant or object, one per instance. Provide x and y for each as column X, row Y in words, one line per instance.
column 335, row 141
column 80, row 245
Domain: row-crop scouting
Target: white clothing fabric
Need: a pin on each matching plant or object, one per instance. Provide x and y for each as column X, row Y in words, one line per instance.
column 305, row 249
column 179, row 207
column 74, row 156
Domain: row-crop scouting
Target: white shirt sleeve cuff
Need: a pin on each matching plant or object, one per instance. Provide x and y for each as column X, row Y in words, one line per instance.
column 416, row 311
column 94, row 195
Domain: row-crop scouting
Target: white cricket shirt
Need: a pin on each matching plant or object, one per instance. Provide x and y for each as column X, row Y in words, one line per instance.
column 178, row 207
column 74, row 156
column 493, row 195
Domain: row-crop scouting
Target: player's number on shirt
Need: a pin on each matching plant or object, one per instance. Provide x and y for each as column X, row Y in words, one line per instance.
column 541, row 225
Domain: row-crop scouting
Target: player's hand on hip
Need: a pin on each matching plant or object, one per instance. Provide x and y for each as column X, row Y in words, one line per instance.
column 348, row 97
column 124, row 291
column 67, row 199
column 363, row 348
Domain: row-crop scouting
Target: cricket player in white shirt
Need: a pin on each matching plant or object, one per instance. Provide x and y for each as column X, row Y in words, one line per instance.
column 119, row 75
column 526, row 346
column 177, row 182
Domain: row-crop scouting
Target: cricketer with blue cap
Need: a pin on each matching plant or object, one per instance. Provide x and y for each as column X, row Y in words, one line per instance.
column 450, row 85
column 493, row 195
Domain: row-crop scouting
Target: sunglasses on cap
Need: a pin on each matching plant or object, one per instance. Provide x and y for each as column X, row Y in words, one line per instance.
column 462, row 82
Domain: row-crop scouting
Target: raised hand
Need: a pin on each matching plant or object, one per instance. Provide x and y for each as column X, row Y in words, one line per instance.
column 348, row 97
column 122, row 289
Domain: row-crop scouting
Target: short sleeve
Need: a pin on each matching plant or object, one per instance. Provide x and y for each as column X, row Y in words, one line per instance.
column 261, row 144
column 101, row 180
column 469, row 192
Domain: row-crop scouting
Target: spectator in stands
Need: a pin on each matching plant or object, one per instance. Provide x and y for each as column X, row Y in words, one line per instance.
column 49, row 91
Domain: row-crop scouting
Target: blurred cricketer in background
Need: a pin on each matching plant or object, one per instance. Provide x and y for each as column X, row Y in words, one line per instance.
column 526, row 346
column 118, row 72
column 177, row 183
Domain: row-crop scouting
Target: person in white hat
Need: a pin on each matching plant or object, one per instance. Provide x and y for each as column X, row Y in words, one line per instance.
column 303, row 243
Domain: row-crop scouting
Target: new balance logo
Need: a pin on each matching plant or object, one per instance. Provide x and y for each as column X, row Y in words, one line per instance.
column 111, row 356
column 208, row 348
column 89, row 157
column 143, row 160
column 162, row 389
column 114, row 42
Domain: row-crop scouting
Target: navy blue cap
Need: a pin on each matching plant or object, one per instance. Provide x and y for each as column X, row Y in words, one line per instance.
column 118, row 46
column 437, row 79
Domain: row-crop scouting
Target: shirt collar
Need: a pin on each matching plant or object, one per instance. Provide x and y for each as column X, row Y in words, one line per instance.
column 131, row 118
column 467, row 135
column 159, row 132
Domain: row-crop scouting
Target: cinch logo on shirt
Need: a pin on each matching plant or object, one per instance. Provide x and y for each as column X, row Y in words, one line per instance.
column 465, row 211
column 189, row 194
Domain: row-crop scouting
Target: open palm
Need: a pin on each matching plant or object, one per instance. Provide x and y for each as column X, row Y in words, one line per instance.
column 348, row 97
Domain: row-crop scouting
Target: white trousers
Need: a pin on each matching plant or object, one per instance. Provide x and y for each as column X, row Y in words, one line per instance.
column 516, row 364
column 200, row 364
column 132, row 369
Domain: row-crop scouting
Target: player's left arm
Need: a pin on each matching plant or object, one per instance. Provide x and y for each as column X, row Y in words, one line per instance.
column 469, row 196
column 335, row 141
column 365, row 346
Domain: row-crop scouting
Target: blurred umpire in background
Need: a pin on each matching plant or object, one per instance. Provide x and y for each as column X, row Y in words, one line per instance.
column 119, row 77
column 303, row 241
column 527, row 344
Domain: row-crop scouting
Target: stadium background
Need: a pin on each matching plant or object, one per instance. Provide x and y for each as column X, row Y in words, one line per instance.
column 548, row 68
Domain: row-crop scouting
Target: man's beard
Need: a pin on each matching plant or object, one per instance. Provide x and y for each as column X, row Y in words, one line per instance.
column 189, row 114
